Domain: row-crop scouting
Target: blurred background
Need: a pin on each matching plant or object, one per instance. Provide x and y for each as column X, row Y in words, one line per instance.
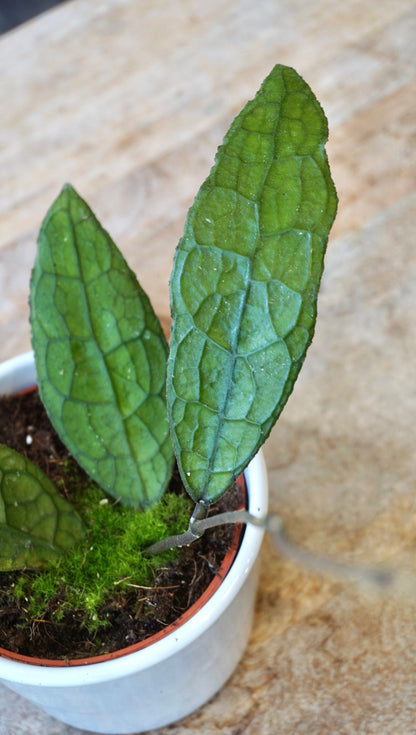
column 15, row 12
column 128, row 100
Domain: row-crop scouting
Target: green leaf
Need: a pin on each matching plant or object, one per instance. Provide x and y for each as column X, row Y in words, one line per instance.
column 100, row 356
column 245, row 282
column 36, row 524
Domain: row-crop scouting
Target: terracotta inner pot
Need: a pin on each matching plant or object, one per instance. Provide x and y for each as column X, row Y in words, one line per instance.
column 189, row 613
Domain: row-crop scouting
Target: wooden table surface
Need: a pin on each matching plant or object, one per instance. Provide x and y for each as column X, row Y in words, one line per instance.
column 128, row 101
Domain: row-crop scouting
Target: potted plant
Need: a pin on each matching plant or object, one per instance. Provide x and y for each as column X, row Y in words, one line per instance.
column 243, row 298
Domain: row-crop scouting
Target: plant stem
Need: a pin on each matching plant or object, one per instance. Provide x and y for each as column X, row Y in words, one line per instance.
column 197, row 528
column 369, row 576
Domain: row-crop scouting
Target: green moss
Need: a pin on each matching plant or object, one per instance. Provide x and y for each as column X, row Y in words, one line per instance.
column 109, row 562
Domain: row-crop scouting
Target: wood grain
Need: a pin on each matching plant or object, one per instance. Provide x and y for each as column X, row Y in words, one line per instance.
column 128, row 100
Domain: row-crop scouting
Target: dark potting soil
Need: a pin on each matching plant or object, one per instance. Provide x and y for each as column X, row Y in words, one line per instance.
column 175, row 588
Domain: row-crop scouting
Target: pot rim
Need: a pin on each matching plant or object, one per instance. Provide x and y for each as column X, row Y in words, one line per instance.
column 182, row 636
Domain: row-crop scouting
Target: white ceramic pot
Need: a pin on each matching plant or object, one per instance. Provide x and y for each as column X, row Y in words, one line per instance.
column 169, row 679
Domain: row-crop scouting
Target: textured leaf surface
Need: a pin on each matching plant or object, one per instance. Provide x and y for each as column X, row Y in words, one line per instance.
column 100, row 355
column 245, row 282
column 36, row 524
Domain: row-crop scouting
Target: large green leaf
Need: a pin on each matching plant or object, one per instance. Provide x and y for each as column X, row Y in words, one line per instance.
column 100, row 355
column 36, row 524
column 245, row 282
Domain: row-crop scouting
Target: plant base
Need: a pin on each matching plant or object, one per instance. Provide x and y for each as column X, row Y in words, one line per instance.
column 167, row 680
